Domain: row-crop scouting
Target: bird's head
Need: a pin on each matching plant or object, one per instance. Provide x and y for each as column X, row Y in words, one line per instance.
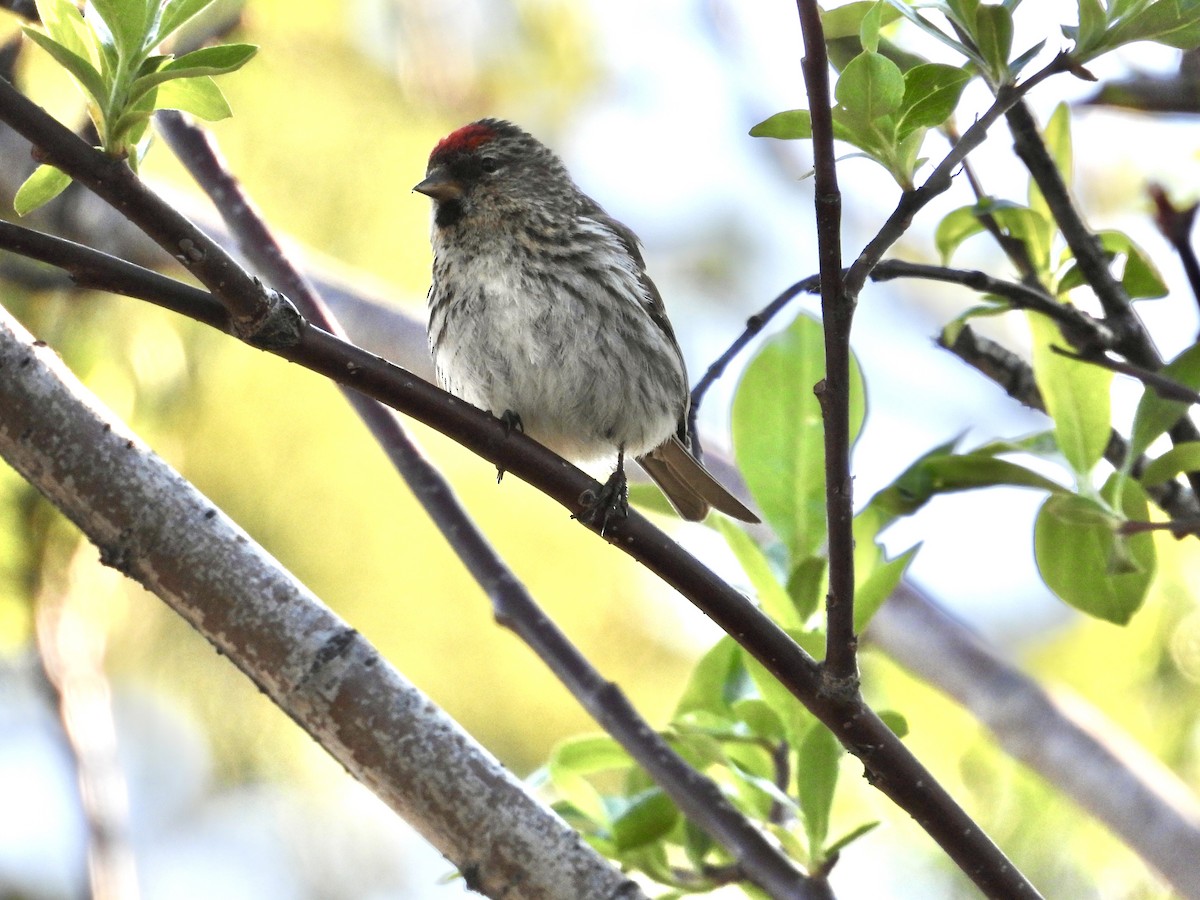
column 492, row 169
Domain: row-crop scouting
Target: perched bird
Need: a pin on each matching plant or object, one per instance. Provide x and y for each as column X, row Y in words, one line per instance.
column 541, row 312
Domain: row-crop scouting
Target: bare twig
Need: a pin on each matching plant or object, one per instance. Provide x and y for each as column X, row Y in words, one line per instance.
column 1167, row 388
column 1176, row 226
column 837, row 315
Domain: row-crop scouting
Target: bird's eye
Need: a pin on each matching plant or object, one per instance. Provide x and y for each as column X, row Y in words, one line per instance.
column 488, row 164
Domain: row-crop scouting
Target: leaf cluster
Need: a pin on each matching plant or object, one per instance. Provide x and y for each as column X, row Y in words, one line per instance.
column 112, row 53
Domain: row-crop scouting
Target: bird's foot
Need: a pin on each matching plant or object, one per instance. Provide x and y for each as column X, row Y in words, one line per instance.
column 610, row 503
column 511, row 422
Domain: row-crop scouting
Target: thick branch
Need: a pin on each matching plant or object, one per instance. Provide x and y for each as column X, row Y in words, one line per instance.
column 157, row 529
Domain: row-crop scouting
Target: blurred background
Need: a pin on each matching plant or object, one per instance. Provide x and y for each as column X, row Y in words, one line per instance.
column 649, row 103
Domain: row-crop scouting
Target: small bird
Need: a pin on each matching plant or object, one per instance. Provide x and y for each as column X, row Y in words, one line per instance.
column 541, row 312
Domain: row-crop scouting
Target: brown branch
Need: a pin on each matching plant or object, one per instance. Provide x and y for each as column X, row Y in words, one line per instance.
column 833, row 391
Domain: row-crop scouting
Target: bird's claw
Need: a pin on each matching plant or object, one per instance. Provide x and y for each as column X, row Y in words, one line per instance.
column 609, row 504
column 511, row 422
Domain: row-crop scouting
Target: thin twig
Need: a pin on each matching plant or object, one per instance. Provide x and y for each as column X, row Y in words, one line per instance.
column 1080, row 329
column 1167, row 388
column 755, row 324
column 940, row 178
column 1176, row 226
column 833, row 391
column 1012, row 373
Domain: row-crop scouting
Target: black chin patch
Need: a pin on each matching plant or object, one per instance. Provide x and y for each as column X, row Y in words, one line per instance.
column 448, row 213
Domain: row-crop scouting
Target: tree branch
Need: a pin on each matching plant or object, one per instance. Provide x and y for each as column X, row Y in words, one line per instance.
column 837, row 315
column 514, row 607
column 157, row 529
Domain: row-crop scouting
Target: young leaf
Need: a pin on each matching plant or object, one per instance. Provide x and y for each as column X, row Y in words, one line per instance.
column 199, row 96
column 1077, row 397
column 208, row 61
column 1155, row 414
column 128, row 22
column 931, row 93
column 40, row 188
column 82, row 70
column 772, row 596
column 870, row 87
column 792, row 124
column 956, row 226
column 1181, row 458
column 645, row 820
column 1057, row 136
column 816, row 779
column 1086, row 562
column 778, row 434
column 993, row 35
column 847, row 21
column 64, row 23
column 718, row 679
column 175, row 14
column 868, row 34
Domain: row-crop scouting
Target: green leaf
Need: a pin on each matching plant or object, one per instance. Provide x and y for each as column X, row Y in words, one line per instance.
column 1181, row 458
column 64, row 23
column 1175, row 23
column 649, row 817
column 40, row 188
column 176, row 13
column 847, row 21
column 573, row 760
column 956, row 226
column 816, row 779
column 772, row 596
column 903, row 7
column 778, row 433
column 1085, row 560
column 804, row 585
column 208, row 61
column 79, row 68
column 993, row 35
column 875, row 576
column 1154, row 414
column 129, row 22
column 1028, row 226
column 942, row 472
column 1077, row 396
column 931, row 93
column 849, row 838
column 1057, row 137
column 870, row 87
column 717, row 680
column 792, row 124
column 199, row 96
column 868, row 34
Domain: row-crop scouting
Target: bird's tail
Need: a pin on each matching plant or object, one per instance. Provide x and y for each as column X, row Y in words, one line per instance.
column 689, row 487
